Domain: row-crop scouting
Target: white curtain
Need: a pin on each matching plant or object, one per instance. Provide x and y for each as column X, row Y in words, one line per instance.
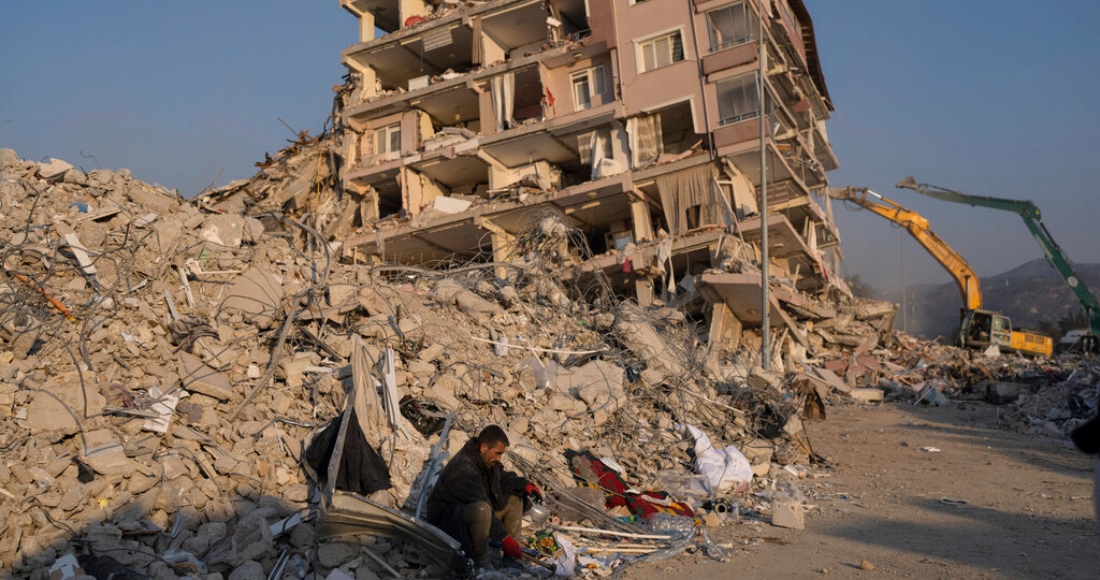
column 496, row 87
column 598, row 147
column 646, row 141
column 509, row 98
column 684, row 190
column 502, row 91
column 585, row 144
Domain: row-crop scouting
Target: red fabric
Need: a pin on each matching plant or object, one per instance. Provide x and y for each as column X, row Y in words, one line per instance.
column 615, row 493
column 549, row 97
column 511, row 548
column 644, row 509
column 532, row 490
column 608, row 480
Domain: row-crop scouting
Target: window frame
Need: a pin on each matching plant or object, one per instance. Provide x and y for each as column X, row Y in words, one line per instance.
column 592, row 77
column 383, row 148
column 750, row 28
column 640, row 49
column 754, row 78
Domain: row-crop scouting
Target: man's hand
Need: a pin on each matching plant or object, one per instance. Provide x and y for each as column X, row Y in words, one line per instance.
column 532, row 491
column 511, row 548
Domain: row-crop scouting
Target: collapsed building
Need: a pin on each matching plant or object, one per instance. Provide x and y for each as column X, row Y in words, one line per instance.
column 168, row 365
column 536, row 214
column 640, row 122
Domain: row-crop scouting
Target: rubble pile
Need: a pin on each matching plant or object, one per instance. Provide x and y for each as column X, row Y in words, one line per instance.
column 165, row 365
column 1037, row 396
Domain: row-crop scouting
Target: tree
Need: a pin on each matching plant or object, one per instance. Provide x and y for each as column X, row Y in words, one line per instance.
column 1049, row 328
column 860, row 288
column 1073, row 322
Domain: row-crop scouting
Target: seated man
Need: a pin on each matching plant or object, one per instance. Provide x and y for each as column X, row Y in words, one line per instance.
column 476, row 500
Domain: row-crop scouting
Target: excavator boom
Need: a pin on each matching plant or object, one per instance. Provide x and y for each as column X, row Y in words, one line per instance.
column 917, row 226
column 1033, row 220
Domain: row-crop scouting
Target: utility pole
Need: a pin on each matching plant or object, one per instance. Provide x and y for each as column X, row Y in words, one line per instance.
column 763, row 54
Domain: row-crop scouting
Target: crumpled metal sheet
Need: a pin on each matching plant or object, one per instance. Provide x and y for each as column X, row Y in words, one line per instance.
column 350, row 514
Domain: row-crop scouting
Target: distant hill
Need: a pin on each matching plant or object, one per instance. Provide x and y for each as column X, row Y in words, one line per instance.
column 1029, row 293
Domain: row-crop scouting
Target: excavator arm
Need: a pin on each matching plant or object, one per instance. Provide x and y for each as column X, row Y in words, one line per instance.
column 917, row 226
column 1033, row 220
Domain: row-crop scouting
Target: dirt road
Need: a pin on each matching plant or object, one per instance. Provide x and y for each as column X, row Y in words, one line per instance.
column 988, row 504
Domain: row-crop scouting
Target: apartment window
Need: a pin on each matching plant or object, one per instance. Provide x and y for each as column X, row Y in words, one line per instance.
column 388, row 140
column 662, row 51
column 729, row 26
column 738, row 99
column 586, row 84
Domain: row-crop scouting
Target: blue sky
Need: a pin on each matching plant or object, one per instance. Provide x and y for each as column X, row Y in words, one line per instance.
column 991, row 97
column 175, row 91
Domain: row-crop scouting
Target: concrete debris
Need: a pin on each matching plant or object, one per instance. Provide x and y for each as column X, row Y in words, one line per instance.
column 53, row 169
column 209, row 342
column 788, row 514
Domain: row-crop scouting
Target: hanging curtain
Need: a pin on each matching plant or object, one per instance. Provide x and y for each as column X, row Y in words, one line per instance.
column 509, row 102
column 476, row 56
column 646, row 144
column 744, row 196
column 598, row 147
column 585, row 145
column 496, row 88
column 684, row 190
column 502, row 92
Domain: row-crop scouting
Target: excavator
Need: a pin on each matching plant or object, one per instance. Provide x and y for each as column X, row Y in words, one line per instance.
column 978, row 328
column 1089, row 342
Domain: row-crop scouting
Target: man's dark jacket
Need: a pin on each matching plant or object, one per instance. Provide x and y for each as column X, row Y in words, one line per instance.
column 465, row 480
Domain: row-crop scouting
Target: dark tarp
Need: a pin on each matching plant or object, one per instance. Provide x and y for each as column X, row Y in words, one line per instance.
column 360, row 468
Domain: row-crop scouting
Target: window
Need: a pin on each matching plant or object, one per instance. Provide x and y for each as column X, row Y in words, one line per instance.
column 729, row 26
column 662, row 51
column 738, row 99
column 586, row 84
column 387, row 140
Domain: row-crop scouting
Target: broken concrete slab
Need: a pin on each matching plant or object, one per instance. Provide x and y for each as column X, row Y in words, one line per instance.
column 450, row 205
column 224, row 230
column 53, row 169
column 832, row 379
column 200, row 378
column 599, row 384
column 104, row 453
column 867, row 394
column 788, row 514
column 256, row 294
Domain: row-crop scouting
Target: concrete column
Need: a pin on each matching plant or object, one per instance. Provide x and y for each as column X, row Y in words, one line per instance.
column 501, row 243
column 643, row 225
column 407, row 8
column 368, row 80
column 366, row 27
column 725, row 328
